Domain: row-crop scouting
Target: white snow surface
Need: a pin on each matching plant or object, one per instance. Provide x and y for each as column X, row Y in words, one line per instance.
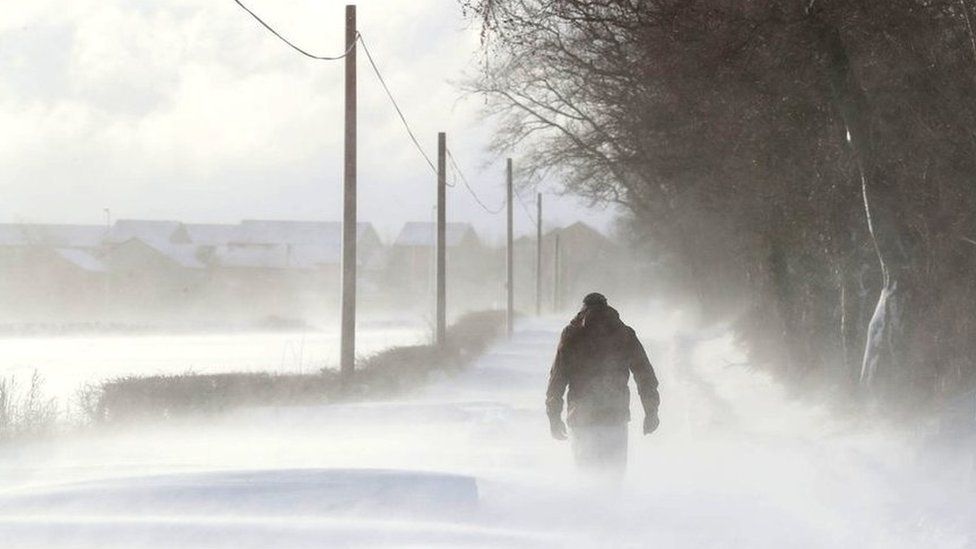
column 468, row 462
column 67, row 363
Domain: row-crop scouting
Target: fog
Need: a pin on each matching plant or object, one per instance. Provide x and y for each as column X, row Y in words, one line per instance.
column 758, row 471
column 739, row 181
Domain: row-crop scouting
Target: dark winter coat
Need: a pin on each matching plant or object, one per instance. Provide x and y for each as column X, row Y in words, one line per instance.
column 596, row 355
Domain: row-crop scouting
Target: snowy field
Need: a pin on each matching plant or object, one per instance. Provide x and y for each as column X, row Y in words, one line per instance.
column 67, row 362
column 469, row 462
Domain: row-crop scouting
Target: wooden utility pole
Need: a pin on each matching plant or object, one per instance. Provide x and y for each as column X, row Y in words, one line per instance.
column 347, row 344
column 441, row 329
column 538, row 254
column 556, row 305
column 509, row 263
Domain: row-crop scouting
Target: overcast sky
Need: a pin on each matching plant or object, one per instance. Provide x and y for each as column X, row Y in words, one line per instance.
column 188, row 109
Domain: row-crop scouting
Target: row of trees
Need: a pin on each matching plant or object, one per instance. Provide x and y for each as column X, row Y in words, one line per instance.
column 808, row 165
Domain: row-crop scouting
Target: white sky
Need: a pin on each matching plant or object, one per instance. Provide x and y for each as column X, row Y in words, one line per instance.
column 188, row 109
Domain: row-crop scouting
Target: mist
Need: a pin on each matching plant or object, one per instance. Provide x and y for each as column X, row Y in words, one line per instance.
column 240, row 309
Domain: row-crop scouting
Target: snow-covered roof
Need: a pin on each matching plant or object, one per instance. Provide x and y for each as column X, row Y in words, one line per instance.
column 254, row 231
column 279, row 256
column 579, row 233
column 158, row 231
column 185, row 255
column 422, row 234
column 580, row 228
column 211, row 234
column 258, row 231
column 82, row 259
column 251, row 258
column 62, row 236
column 274, row 257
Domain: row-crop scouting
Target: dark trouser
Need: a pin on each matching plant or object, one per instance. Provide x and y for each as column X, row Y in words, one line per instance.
column 601, row 449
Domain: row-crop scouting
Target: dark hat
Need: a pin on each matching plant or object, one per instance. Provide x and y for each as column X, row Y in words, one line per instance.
column 594, row 299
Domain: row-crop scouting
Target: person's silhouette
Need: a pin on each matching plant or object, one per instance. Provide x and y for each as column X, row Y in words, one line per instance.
column 596, row 355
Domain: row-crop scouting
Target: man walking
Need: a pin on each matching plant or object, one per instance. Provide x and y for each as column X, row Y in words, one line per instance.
column 596, row 355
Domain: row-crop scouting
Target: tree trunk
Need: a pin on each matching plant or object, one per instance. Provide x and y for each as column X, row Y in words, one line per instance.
column 883, row 365
column 850, row 316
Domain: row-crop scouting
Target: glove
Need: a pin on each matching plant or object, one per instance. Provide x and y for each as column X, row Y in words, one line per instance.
column 557, row 428
column 651, row 423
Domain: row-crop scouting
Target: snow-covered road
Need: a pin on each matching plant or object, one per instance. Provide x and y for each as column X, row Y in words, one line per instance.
column 738, row 462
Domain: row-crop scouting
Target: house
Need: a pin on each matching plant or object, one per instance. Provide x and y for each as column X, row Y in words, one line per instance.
column 257, row 258
column 158, row 231
column 588, row 262
column 50, row 271
column 84, row 261
column 43, row 283
column 410, row 269
column 208, row 237
column 149, row 256
column 582, row 240
column 300, row 245
column 292, row 267
column 423, row 235
column 211, row 234
column 413, row 252
column 139, row 249
column 142, row 269
column 319, row 241
column 261, row 281
column 304, row 245
column 153, row 272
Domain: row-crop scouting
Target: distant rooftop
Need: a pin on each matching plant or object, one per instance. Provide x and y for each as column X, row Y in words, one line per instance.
column 279, row 256
column 211, row 234
column 184, row 255
column 158, row 231
column 82, row 259
column 423, row 234
column 259, row 231
column 276, row 257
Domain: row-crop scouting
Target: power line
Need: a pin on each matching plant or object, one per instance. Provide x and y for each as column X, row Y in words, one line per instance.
column 451, row 183
column 359, row 38
column 396, row 106
column 393, row 101
column 293, row 46
column 457, row 170
column 524, row 207
column 477, row 199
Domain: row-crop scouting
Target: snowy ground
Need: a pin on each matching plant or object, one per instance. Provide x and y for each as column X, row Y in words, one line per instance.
column 68, row 362
column 736, row 463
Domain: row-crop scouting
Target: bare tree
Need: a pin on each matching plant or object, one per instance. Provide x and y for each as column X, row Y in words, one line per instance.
column 772, row 149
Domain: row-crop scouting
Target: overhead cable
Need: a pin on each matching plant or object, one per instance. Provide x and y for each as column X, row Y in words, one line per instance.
column 470, row 189
column 291, row 44
column 396, row 106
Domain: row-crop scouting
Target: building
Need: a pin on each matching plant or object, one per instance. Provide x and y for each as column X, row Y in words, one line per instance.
column 156, row 231
column 211, row 234
column 153, row 269
column 316, row 243
column 588, row 262
column 154, row 278
column 293, row 267
column 471, row 269
column 51, row 272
